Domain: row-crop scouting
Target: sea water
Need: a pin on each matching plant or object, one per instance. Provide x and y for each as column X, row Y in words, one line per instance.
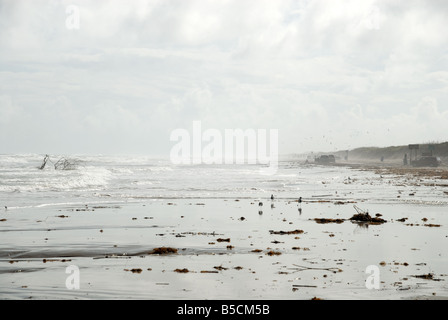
column 137, row 178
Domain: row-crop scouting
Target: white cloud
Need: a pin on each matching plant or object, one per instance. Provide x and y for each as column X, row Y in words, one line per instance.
column 326, row 73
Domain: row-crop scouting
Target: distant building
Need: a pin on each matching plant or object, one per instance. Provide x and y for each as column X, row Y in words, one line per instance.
column 325, row 159
column 426, row 161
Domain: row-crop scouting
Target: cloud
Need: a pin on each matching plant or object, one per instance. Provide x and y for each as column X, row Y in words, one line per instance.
column 328, row 74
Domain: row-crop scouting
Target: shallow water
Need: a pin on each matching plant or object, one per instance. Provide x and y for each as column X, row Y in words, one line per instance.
column 106, row 216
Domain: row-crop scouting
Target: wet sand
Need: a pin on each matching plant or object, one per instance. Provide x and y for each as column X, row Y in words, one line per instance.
column 232, row 248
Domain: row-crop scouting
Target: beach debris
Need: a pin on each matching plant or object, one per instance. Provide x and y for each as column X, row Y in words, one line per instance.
column 286, row 232
column 299, row 248
column 209, row 271
column 223, row 240
column 343, row 202
column 242, row 219
column 403, row 264
column 61, row 164
column 163, row 251
column 194, row 233
column 105, row 207
column 302, row 268
column 82, row 209
column 55, row 260
column 273, row 253
column 230, row 247
column 257, row 250
column 431, row 225
column 220, row 268
column 3, row 220
column 402, row 219
column 429, row 276
column 363, row 216
column 184, row 270
column 44, row 163
column 328, row 220
column 303, row 286
column 135, row 270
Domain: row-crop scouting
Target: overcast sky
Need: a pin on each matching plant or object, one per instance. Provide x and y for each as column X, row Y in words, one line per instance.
column 329, row 75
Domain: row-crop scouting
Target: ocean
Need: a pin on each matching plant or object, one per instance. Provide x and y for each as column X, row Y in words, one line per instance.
column 138, row 178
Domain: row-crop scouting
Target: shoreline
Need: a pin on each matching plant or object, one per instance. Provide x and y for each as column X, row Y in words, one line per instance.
column 395, row 167
column 233, row 248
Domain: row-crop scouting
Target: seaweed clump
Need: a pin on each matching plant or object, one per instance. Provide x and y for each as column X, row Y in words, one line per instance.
column 328, row 220
column 429, row 276
column 286, row 232
column 163, row 250
column 364, row 216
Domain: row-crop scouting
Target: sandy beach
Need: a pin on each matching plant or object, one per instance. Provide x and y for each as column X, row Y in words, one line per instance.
column 234, row 247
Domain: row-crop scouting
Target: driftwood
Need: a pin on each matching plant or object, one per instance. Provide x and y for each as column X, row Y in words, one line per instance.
column 44, row 163
column 61, row 164
column 65, row 164
column 301, row 268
